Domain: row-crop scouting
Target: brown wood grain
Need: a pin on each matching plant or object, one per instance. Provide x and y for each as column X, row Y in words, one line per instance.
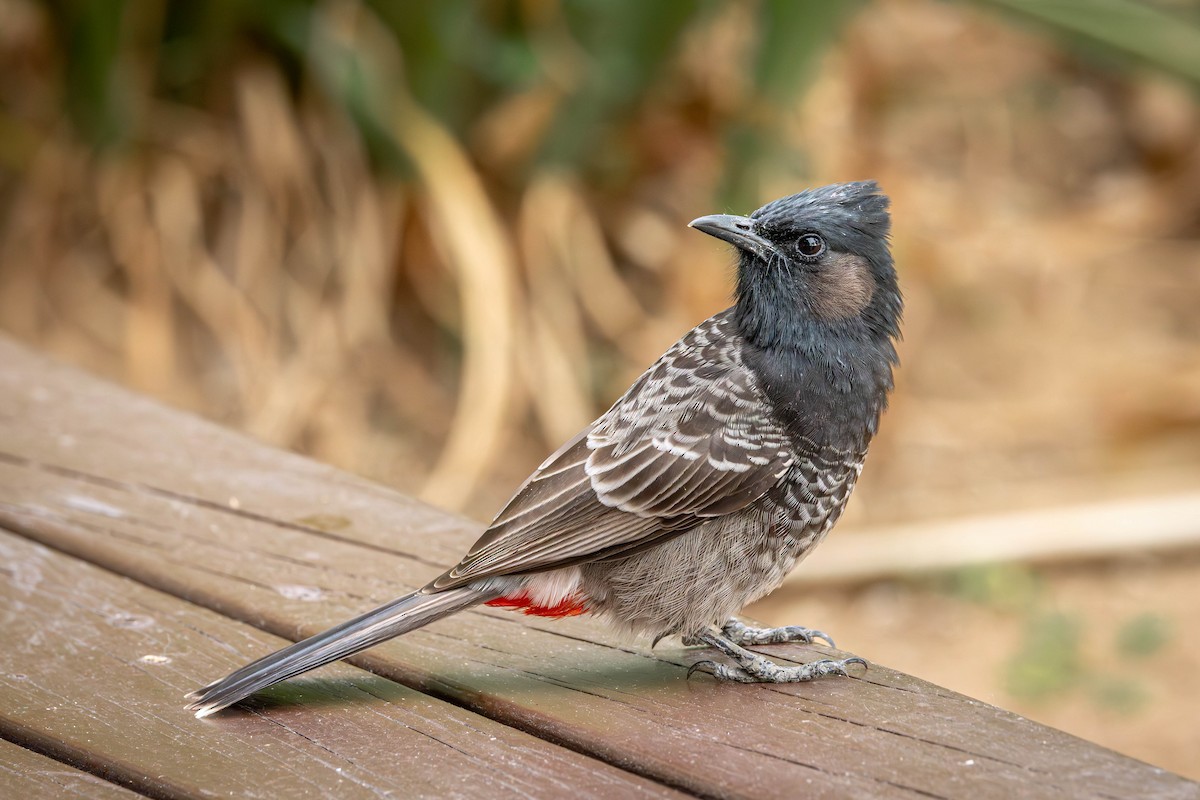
column 26, row 774
column 291, row 546
column 95, row 667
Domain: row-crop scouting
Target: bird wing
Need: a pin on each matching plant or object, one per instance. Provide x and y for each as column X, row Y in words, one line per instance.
column 693, row 438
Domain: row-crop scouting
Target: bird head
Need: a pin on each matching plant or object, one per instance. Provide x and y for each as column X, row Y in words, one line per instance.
column 814, row 264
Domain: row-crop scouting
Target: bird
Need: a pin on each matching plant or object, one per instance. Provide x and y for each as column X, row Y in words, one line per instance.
column 720, row 468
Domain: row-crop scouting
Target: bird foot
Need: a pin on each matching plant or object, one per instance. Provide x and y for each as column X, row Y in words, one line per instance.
column 739, row 632
column 753, row 668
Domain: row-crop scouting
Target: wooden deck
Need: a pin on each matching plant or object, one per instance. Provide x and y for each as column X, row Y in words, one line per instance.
column 144, row 552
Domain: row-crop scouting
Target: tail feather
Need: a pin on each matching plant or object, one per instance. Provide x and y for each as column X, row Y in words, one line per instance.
column 392, row 619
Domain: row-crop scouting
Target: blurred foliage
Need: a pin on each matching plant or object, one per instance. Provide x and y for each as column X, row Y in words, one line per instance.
column 1008, row 587
column 1165, row 35
column 1052, row 661
column 435, row 238
column 1123, row 694
column 1143, row 635
column 1049, row 661
column 600, row 61
column 459, row 57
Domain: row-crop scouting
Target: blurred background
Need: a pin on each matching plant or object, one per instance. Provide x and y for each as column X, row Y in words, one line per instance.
column 428, row 241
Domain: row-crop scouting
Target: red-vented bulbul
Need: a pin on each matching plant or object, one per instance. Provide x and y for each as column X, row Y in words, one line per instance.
column 722, row 466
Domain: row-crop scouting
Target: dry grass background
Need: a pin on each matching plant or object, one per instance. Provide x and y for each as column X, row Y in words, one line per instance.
column 441, row 331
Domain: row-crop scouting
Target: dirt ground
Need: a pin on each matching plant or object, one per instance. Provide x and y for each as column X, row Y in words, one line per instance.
column 1104, row 651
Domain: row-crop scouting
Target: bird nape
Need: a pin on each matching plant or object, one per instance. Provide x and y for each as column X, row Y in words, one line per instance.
column 723, row 465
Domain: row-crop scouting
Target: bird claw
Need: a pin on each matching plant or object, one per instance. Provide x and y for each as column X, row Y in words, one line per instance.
column 830, row 667
column 754, row 668
column 722, row 672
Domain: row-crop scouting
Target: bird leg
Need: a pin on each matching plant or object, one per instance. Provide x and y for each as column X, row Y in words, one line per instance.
column 753, row 668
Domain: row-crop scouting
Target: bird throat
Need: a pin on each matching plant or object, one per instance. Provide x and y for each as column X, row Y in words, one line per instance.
column 836, row 352
column 826, row 375
column 827, row 397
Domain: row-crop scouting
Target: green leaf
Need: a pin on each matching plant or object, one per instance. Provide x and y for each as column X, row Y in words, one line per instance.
column 1170, row 42
column 96, row 96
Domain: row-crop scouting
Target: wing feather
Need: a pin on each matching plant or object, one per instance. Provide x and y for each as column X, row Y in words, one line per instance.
column 692, row 438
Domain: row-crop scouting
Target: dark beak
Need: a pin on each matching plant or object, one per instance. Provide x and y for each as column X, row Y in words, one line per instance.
column 738, row 231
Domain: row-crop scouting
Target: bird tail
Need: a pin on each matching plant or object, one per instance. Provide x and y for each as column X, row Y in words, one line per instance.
column 392, row 619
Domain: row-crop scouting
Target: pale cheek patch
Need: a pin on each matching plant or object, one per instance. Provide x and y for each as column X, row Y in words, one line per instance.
column 843, row 287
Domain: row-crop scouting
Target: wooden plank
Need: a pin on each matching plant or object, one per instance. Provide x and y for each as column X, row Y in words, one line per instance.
column 292, row 546
column 95, row 667
column 26, row 774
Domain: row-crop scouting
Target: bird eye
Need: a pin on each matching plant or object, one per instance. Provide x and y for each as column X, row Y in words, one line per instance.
column 810, row 245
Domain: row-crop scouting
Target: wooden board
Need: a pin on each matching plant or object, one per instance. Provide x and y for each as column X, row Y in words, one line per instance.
column 26, row 774
column 291, row 546
column 95, row 666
